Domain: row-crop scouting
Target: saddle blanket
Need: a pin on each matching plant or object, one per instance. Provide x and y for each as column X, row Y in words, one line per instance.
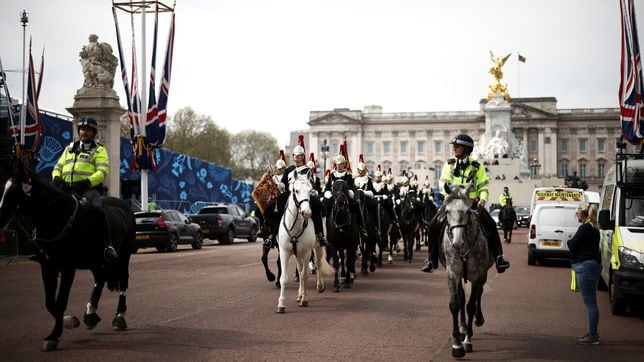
column 265, row 193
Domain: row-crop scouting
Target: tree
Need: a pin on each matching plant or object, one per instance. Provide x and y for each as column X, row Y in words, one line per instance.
column 253, row 152
column 198, row 136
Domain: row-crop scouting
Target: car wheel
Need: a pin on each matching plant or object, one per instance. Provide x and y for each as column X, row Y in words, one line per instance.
column 172, row 245
column 160, row 248
column 253, row 235
column 532, row 259
column 228, row 237
column 198, row 242
column 617, row 305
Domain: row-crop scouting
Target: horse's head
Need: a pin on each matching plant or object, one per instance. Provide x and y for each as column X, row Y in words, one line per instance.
column 340, row 192
column 458, row 214
column 301, row 194
column 16, row 189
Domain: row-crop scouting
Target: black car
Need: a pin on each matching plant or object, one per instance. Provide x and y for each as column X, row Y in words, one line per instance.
column 165, row 229
column 523, row 216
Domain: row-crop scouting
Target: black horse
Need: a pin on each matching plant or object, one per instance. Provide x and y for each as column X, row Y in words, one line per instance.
column 64, row 233
column 409, row 222
column 383, row 225
column 368, row 208
column 508, row 218
column 342, row 233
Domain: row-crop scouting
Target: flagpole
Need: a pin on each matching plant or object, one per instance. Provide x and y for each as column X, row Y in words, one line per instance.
column 519, row 76
column 143, row 113
column 23, row 112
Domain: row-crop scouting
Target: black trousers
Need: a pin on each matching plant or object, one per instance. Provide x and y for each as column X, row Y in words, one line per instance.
column 95, row 202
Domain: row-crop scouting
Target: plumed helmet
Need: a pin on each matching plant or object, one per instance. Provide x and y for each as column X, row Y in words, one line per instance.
column 464, row 140
column 414, row 181
column 298, row 150
column 361, row 166
column 88, row 122
column 310, row 164
column 280, row 164
column 404, row 180
column 339, row 159
column 378, row 172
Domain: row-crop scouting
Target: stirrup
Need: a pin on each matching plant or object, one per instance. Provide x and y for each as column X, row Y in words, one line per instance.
column 110, row 253
column 427, row 267
column 501, row 264
column 322, row 240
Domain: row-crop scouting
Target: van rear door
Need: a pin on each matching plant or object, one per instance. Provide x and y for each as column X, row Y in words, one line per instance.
column 556, row 225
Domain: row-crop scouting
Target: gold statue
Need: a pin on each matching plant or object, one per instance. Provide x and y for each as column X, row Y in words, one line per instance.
column 497, row 73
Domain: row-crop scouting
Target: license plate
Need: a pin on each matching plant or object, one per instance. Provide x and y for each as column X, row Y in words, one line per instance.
column 550, row 242
column 204, row 231
column 142, row 237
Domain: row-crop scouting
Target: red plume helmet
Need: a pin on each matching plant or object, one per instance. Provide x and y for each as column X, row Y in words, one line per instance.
column 315, row 164
column 282, row 156
column 361, row 158
column 300, row 141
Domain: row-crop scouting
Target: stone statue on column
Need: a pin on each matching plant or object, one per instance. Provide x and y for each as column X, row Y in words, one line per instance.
column 98, row 64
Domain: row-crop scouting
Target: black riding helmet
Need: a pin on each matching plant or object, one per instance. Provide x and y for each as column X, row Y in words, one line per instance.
column 463, row 140
column 88, row 122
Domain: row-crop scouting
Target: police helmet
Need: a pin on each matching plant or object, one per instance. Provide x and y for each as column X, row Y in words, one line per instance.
column 88, row 122
column 463, row 140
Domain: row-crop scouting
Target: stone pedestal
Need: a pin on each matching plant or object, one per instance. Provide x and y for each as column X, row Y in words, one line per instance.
column 103, row 105
column 497, row 118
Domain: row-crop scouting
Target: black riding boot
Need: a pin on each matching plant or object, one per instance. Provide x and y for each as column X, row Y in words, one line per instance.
column 434, row 231
column 494, row 241
column 109, row 253
column 317, row 225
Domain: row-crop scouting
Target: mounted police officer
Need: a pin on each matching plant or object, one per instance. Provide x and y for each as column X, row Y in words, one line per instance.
column 505, row 197
column 82, row 168
column 459, row 171
column 301, row 168
column 340, row 173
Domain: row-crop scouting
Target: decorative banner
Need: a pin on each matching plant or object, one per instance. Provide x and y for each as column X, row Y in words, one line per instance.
column 631, row 88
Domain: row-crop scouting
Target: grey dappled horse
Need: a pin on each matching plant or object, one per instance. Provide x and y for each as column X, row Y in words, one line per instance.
column 467, row 259
column 297, row 238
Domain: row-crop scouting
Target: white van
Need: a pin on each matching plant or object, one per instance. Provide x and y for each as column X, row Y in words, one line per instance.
column 551, row 226
column 557, row 195
column 621, row 220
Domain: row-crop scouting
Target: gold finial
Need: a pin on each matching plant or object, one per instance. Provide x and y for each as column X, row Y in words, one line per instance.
column 497, row 73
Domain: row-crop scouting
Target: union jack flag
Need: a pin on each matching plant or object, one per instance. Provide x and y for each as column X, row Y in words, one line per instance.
column 151, row 119
column 33, row 129
column 126, row 84
column 631, row 88
column 165, row 87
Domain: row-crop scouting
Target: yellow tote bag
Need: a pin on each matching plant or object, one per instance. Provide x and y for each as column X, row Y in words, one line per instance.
column 573, row 281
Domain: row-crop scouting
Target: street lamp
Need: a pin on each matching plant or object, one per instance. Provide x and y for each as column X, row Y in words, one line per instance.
column 325, row 154
column 534, row 167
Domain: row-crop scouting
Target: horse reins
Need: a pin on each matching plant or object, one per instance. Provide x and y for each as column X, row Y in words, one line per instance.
column 463, row 256
column 294, row 238
column 34, row 238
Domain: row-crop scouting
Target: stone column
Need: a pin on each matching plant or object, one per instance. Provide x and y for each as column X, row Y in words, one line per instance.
column 97, row 99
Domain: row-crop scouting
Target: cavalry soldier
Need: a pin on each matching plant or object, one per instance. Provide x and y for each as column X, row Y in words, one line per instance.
column 315, row 180
column 363, row 181
column 272, row 214
column 404, row 186
column 82, row 168
column 413, row 184
column 340, row 173
column 460, row 170
column 301, row 168
column 427, row 193
column 391, row 185
column 505, row 197
column 379, row 186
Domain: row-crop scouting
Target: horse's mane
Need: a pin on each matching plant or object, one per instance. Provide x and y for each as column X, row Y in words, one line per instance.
column 458, row 192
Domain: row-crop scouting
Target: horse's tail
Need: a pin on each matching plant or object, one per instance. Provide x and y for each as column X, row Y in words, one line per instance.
column 323, row 265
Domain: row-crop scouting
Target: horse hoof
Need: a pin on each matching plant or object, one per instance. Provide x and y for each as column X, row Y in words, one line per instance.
column 281, row 310
column 270, row 277
column 321, row 289
column 304, row 303
column 458, row 352
column 119, row 323
column 278, row 285
column 479, row 322
column 91, row 320
column 48, row 346
column 70, row 322
column 364, row 272
column 372, row 268
column 468, row 347
column 336, row 289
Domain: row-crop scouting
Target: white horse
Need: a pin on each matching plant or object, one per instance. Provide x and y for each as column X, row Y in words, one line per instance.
column 297, row 238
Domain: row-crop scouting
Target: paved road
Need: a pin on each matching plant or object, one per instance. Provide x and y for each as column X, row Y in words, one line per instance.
column 215, row 304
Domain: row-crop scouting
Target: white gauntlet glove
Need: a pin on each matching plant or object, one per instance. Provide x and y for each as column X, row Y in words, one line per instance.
column 327, row 194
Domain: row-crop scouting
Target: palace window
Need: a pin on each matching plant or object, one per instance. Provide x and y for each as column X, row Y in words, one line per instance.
column 582, row 145
column 564, row 146
column 438, row 147
column 601, row 145
column 601, row 169
column 420, row 146
column 370, row 148
column 386, row 147
column 582, row 170
column 563, row 169
column 403, row 147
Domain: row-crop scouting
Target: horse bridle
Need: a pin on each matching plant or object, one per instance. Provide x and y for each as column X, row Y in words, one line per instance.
column 33, row 237
column 298, row 204
column 450, row 234
column 335, row 210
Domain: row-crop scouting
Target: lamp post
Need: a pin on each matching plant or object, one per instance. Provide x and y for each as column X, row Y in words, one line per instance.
column 23, row 112
column 534, row 167
column 325, row 154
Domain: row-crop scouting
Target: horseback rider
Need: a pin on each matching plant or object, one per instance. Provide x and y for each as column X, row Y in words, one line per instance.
column 461, row 170
column 427, row 193
column 271, row 216
column 340, row 173
column 301, row 168
column 315, row 180
column 505, row 196
column 82, row 168
column 391, row 185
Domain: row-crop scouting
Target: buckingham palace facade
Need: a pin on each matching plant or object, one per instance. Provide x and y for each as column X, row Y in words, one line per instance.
column 558, row 142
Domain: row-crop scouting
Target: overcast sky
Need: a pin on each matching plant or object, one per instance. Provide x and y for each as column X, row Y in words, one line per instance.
column 265, row 64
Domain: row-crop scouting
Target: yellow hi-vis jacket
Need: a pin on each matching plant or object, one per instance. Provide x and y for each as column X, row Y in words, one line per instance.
column 76, row 165
column 460, row 177
column 504, row 198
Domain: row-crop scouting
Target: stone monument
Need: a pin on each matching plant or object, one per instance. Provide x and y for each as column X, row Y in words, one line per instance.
column 97, row 98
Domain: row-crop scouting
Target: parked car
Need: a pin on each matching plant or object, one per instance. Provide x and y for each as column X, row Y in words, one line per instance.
column 523, row 216
column 225, row 222
column 495, row 215
column 165, row 229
